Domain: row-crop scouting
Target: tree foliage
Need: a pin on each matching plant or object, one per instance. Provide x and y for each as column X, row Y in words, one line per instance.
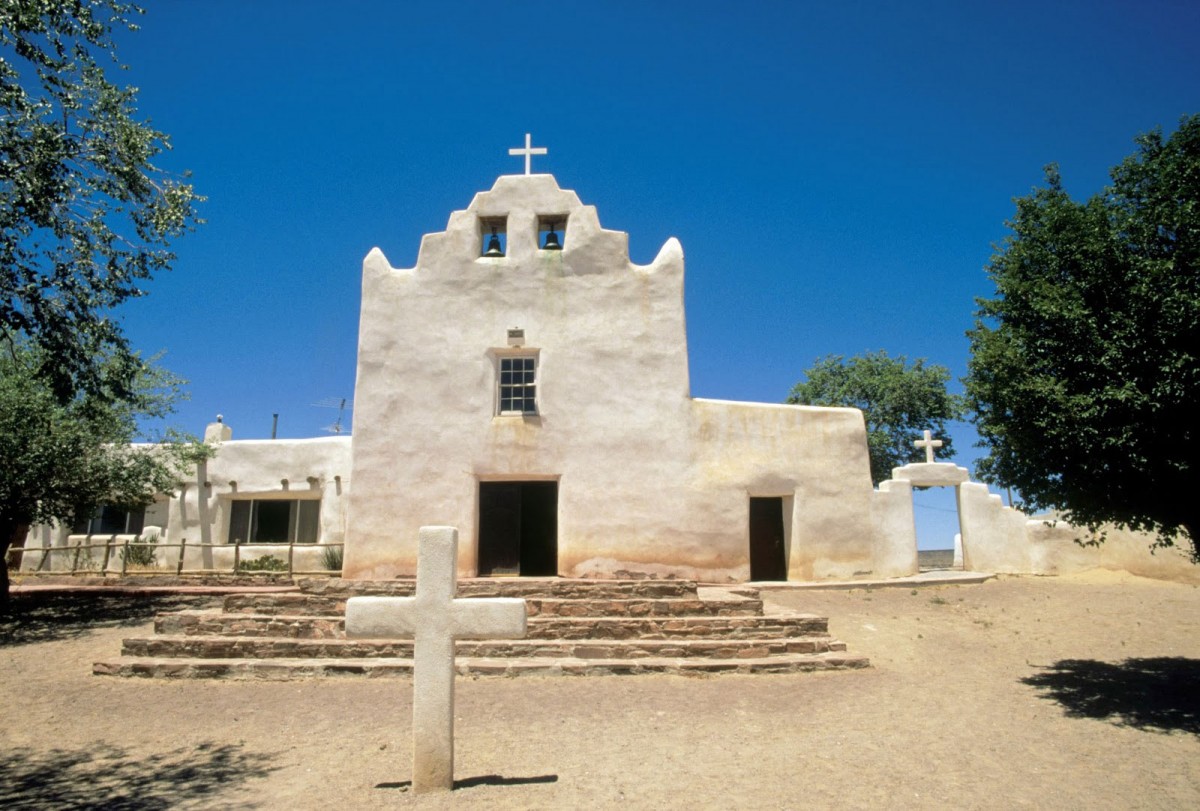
column 59, row 462
column 86, row 219
column 898, row 401
column 85, row 216
column 1084, row 374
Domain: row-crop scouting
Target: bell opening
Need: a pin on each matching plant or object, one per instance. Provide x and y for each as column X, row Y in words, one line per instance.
column 493, row 246
column 548, row 228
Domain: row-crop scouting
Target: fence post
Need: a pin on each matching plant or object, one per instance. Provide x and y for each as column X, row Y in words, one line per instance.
column 107, row 555
column 237, row 556
column 124, row 555
column 291, row 555
column 75, row 559
column 182, row 549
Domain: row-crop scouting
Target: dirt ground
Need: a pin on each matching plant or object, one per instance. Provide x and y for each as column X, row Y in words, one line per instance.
column 1020, row 692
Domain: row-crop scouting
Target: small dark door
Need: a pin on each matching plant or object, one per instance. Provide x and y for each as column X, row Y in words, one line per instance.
column 518, row 529
column 768, row 558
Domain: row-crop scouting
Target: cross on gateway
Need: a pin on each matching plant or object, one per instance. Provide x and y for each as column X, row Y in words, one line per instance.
column 434, row 619
column 528, row 151
column 928, row 443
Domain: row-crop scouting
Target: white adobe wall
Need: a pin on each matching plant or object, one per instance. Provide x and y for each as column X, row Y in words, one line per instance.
column 650, row 481
column 993, row 535
column 895, row 528
column 996, row 538
column 1053, row 550
column 199, row 510
column 261, row 469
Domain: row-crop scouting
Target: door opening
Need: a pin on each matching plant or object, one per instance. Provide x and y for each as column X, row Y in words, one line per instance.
column 518, row 529
column 768, row 552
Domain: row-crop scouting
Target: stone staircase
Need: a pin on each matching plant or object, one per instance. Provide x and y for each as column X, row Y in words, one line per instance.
column 575, row 627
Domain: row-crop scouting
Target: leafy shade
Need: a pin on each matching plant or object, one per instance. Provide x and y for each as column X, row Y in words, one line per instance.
column 58, row 462
column 85, row 216
column 899, row 400
column 1084, row 373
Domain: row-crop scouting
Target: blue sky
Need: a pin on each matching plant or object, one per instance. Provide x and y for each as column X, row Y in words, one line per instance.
column 838, row 173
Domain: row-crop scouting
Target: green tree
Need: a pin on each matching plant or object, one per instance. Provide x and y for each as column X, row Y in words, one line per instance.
column 59, row 462
column 1083, row 371
column 85, row 216
column 899, row 400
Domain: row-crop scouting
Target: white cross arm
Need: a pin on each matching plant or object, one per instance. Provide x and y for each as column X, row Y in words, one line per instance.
column 402, row 617
column 491, row 618
column 528, row 151
column 381, row 617
column 928, row 443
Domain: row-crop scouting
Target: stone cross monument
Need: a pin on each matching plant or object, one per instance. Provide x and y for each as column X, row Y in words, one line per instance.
column 434, row 619
column 928, row 443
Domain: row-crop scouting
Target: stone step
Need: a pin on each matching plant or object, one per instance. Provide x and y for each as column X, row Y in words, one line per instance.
column 204, row 647
column 332, row 605
column 563, row 588
column 731, row 606
column 285, row 669
column 217, row 623
column 293, row 626
column 717, row 627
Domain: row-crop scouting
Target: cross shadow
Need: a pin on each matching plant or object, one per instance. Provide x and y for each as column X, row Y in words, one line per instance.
column 482, row 780
column 50, row 616
column 109, row 777
column 1159, row 694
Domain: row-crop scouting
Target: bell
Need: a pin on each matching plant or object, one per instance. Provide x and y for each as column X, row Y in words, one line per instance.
column 493, row 248
column 552, row 243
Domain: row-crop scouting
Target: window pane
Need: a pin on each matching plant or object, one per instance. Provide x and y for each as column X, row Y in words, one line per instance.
column 271, row 521
column 308, row 523
column 516, row 386
column 110, row 521
column 239, row 521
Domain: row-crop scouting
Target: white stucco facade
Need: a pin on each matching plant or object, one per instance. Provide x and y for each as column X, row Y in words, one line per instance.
column 650, row 481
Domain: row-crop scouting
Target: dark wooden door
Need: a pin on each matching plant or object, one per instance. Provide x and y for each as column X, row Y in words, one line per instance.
column 768, row 558
column 518, row 528
column 499, row 528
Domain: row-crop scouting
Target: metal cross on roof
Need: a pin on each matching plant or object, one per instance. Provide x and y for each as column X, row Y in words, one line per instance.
column 528, row 151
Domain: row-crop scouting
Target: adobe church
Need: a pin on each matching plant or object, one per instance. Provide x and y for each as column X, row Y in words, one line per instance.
column 528, row 384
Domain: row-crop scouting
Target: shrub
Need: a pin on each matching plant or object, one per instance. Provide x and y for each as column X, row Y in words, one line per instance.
column 140, row 552
column 331, row 558
column 266, row 563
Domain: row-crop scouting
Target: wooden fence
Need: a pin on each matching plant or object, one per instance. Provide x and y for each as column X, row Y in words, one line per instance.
column 85, row 564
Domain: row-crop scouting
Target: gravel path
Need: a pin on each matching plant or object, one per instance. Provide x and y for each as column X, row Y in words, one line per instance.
column 1020, row 692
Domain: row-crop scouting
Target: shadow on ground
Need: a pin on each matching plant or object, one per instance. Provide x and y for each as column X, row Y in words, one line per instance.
column 111, row 778
column 1159, row 694
column 482, row 780
column 49, row 616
